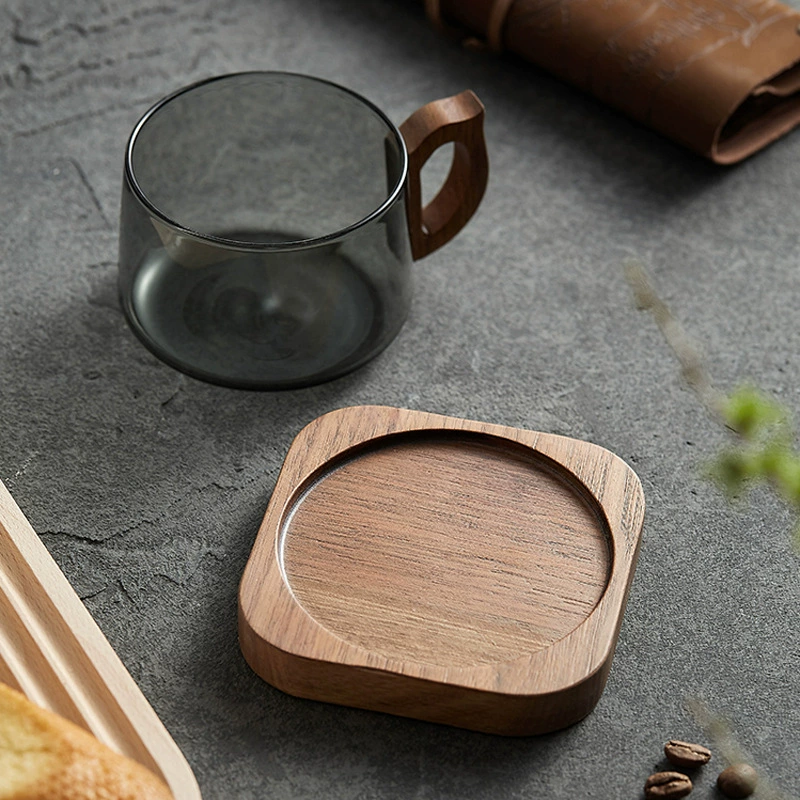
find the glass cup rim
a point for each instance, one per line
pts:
(299, 244)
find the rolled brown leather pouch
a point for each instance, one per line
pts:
(718, 76)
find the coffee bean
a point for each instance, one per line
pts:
(667, 786)
(738, 780)
(686, 754)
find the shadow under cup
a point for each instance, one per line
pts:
(264, 240)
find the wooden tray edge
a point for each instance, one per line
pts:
(77, 654)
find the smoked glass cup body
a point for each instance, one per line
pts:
(265, 237)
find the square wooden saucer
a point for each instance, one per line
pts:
(437, 568)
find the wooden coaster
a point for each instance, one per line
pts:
(437, 568)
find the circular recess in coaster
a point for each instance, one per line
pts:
(446, 548)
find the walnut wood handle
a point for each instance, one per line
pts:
(459, 120)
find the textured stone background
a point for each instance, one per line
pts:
(147, 486)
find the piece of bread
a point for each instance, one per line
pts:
(45, 757)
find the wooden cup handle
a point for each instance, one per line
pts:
(459, 120)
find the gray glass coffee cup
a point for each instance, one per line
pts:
(269, 221)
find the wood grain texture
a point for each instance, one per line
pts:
(459, 120)
(449, 570)
(445, 551)
(53, 652)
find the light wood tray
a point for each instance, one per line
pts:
(449, 570)
(53, 652)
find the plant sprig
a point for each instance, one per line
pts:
(764, 451)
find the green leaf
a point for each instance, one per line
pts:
(782, 468)
(732, 470)
(750, 413)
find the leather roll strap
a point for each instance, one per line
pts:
(494, 27)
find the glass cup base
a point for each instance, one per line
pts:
(242, 323)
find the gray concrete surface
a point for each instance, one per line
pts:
(148, 486)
